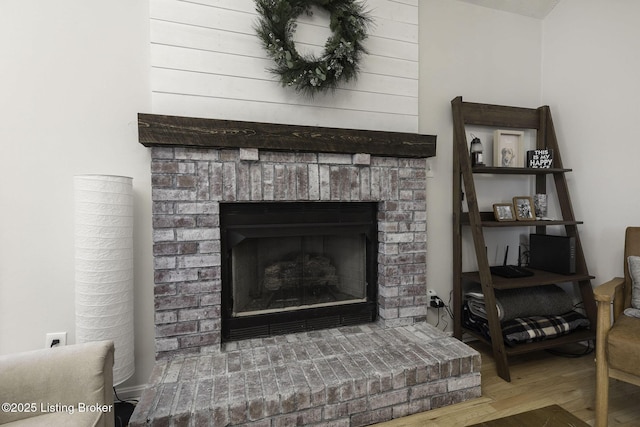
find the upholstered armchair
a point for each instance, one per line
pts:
(64, 386)
(618, 336)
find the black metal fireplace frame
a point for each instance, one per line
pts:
(238, 222)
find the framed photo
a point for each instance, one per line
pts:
(503, 212)
(508, 148)
(524, 208)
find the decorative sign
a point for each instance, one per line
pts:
(542, 159)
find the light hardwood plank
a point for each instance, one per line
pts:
(537, 380)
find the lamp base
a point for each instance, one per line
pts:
(122, 412)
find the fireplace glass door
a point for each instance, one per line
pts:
(275, 274)
(297, 266)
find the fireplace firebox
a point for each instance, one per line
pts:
(297, 266)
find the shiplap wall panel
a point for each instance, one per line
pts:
(165, 33)
(381, 43)
(205, 39)
(243, 66)
(240, 6)
(289, 113)
(203, 84)
(408, 2)
(207, 62)
(397, 11)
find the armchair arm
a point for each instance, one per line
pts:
(608, 292)
(604, 295)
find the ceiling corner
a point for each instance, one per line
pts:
(532, 8)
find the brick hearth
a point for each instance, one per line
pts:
(351, 376)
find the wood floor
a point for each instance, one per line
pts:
(537, 380)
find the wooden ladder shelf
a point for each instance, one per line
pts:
(464, 190)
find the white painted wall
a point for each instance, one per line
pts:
(591, 67)
(73, 76)
(582, 61)
(484, 56)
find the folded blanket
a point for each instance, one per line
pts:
(524, 302)
(478, 308)
(529, 329)
(475, 323)
(537, 328)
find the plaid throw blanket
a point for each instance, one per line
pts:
(536, 328)
(529, 329)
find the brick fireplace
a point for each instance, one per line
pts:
(195, 170)
(190, 183)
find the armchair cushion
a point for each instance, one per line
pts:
(633, 312)
(77, 419)
(70, 386)
(623, 345)
(634, 272)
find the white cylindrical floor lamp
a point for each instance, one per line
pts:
(104, 266)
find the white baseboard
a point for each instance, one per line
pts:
(130, 393)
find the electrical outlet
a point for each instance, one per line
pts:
(434, 300)
(55, 339)
(430, 171)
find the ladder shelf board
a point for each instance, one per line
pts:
(488, 220)
(498, 115)
(496, 170)
(539, 278)
(572, 337)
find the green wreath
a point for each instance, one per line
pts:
(309, 74)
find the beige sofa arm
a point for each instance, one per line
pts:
(46, 380)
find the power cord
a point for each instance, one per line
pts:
(123, 410)
(447, 308)
(590, 348)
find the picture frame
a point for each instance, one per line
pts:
(524, 208)
(503, 212)
(508, 148)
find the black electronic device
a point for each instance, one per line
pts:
(556, 254)
(122, 413)
(510, 271)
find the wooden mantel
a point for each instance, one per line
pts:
(173, 131)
